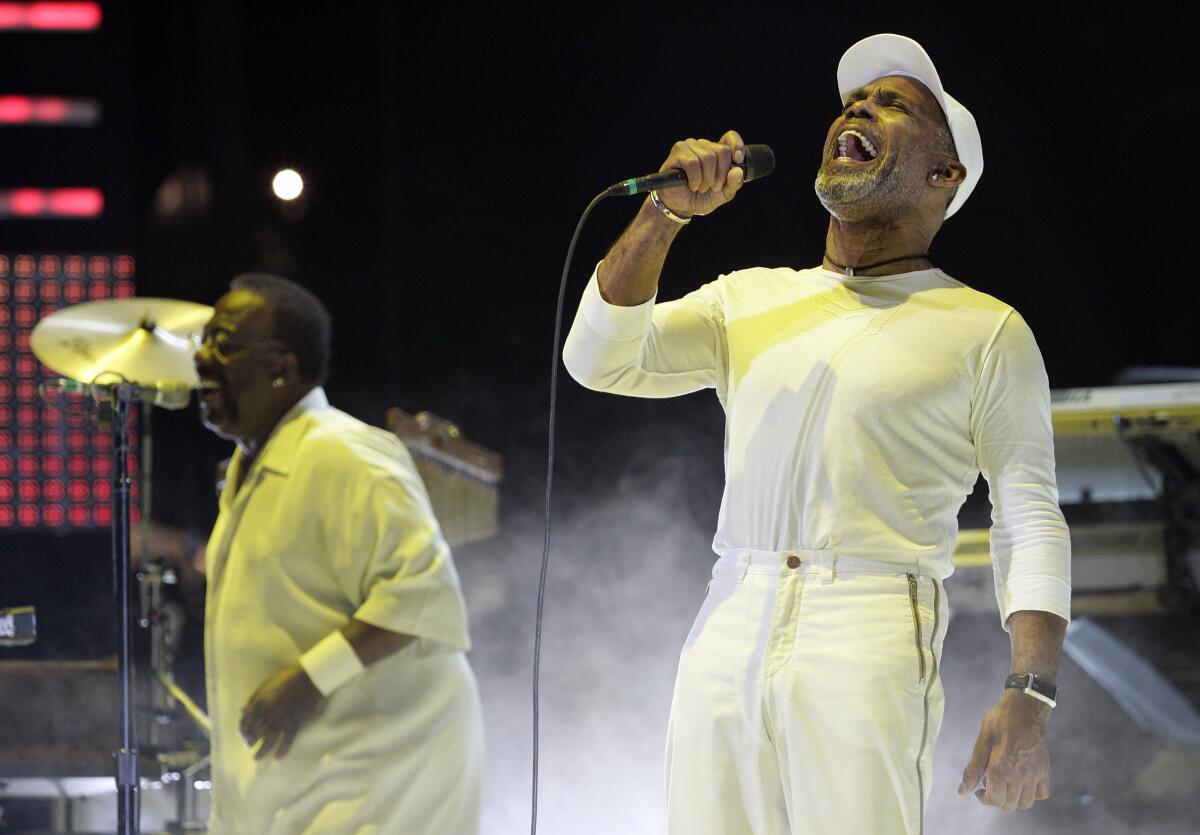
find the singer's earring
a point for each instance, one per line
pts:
(277, 383)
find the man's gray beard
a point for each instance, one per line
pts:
(855, 196)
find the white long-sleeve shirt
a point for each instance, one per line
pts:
(859, 413)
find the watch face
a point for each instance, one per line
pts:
(1039, 686)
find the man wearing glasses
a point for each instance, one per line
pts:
(335, 627)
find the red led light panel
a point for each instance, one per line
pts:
(55, 469)
(51, 203)
(48, 110)
(62, 17)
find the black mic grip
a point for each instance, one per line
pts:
(759, 161)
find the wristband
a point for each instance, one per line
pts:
(662, 207)
(331, 662)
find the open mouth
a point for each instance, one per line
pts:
(855, 147)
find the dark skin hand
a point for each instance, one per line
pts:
(279, 708)
(288, 700)
(1010, 756)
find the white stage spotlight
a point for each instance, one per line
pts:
(287, 184)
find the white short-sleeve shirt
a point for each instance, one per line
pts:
(331, 522)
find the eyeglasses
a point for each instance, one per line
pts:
(225, 347)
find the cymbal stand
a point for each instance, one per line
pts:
(146, 471)
(128, 780)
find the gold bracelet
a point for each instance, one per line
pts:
(662, 207)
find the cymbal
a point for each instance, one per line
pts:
(144, 340)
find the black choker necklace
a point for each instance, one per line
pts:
(861, 267)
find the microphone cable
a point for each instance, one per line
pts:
(759, 161)
(541, 597)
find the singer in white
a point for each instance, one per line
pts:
(862, 398)
(335, 627)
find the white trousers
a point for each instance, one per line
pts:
(807, 699)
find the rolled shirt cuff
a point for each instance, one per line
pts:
(1040, 593)
(619, 324)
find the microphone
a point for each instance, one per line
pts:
(759, 162)
(18, 627)
(169, 394)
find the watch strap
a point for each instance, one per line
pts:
(1031, 685)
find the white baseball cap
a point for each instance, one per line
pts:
(881, 55)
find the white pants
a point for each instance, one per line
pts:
(808, 699)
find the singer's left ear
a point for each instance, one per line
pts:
(949, 173)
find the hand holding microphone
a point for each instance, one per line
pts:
(699, 175)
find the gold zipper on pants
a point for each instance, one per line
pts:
(912, 599)
(937, 604)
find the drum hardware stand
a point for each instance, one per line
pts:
(182, 768)
(128, 780)
(186, 798)
(179, 767)
(165, 622)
